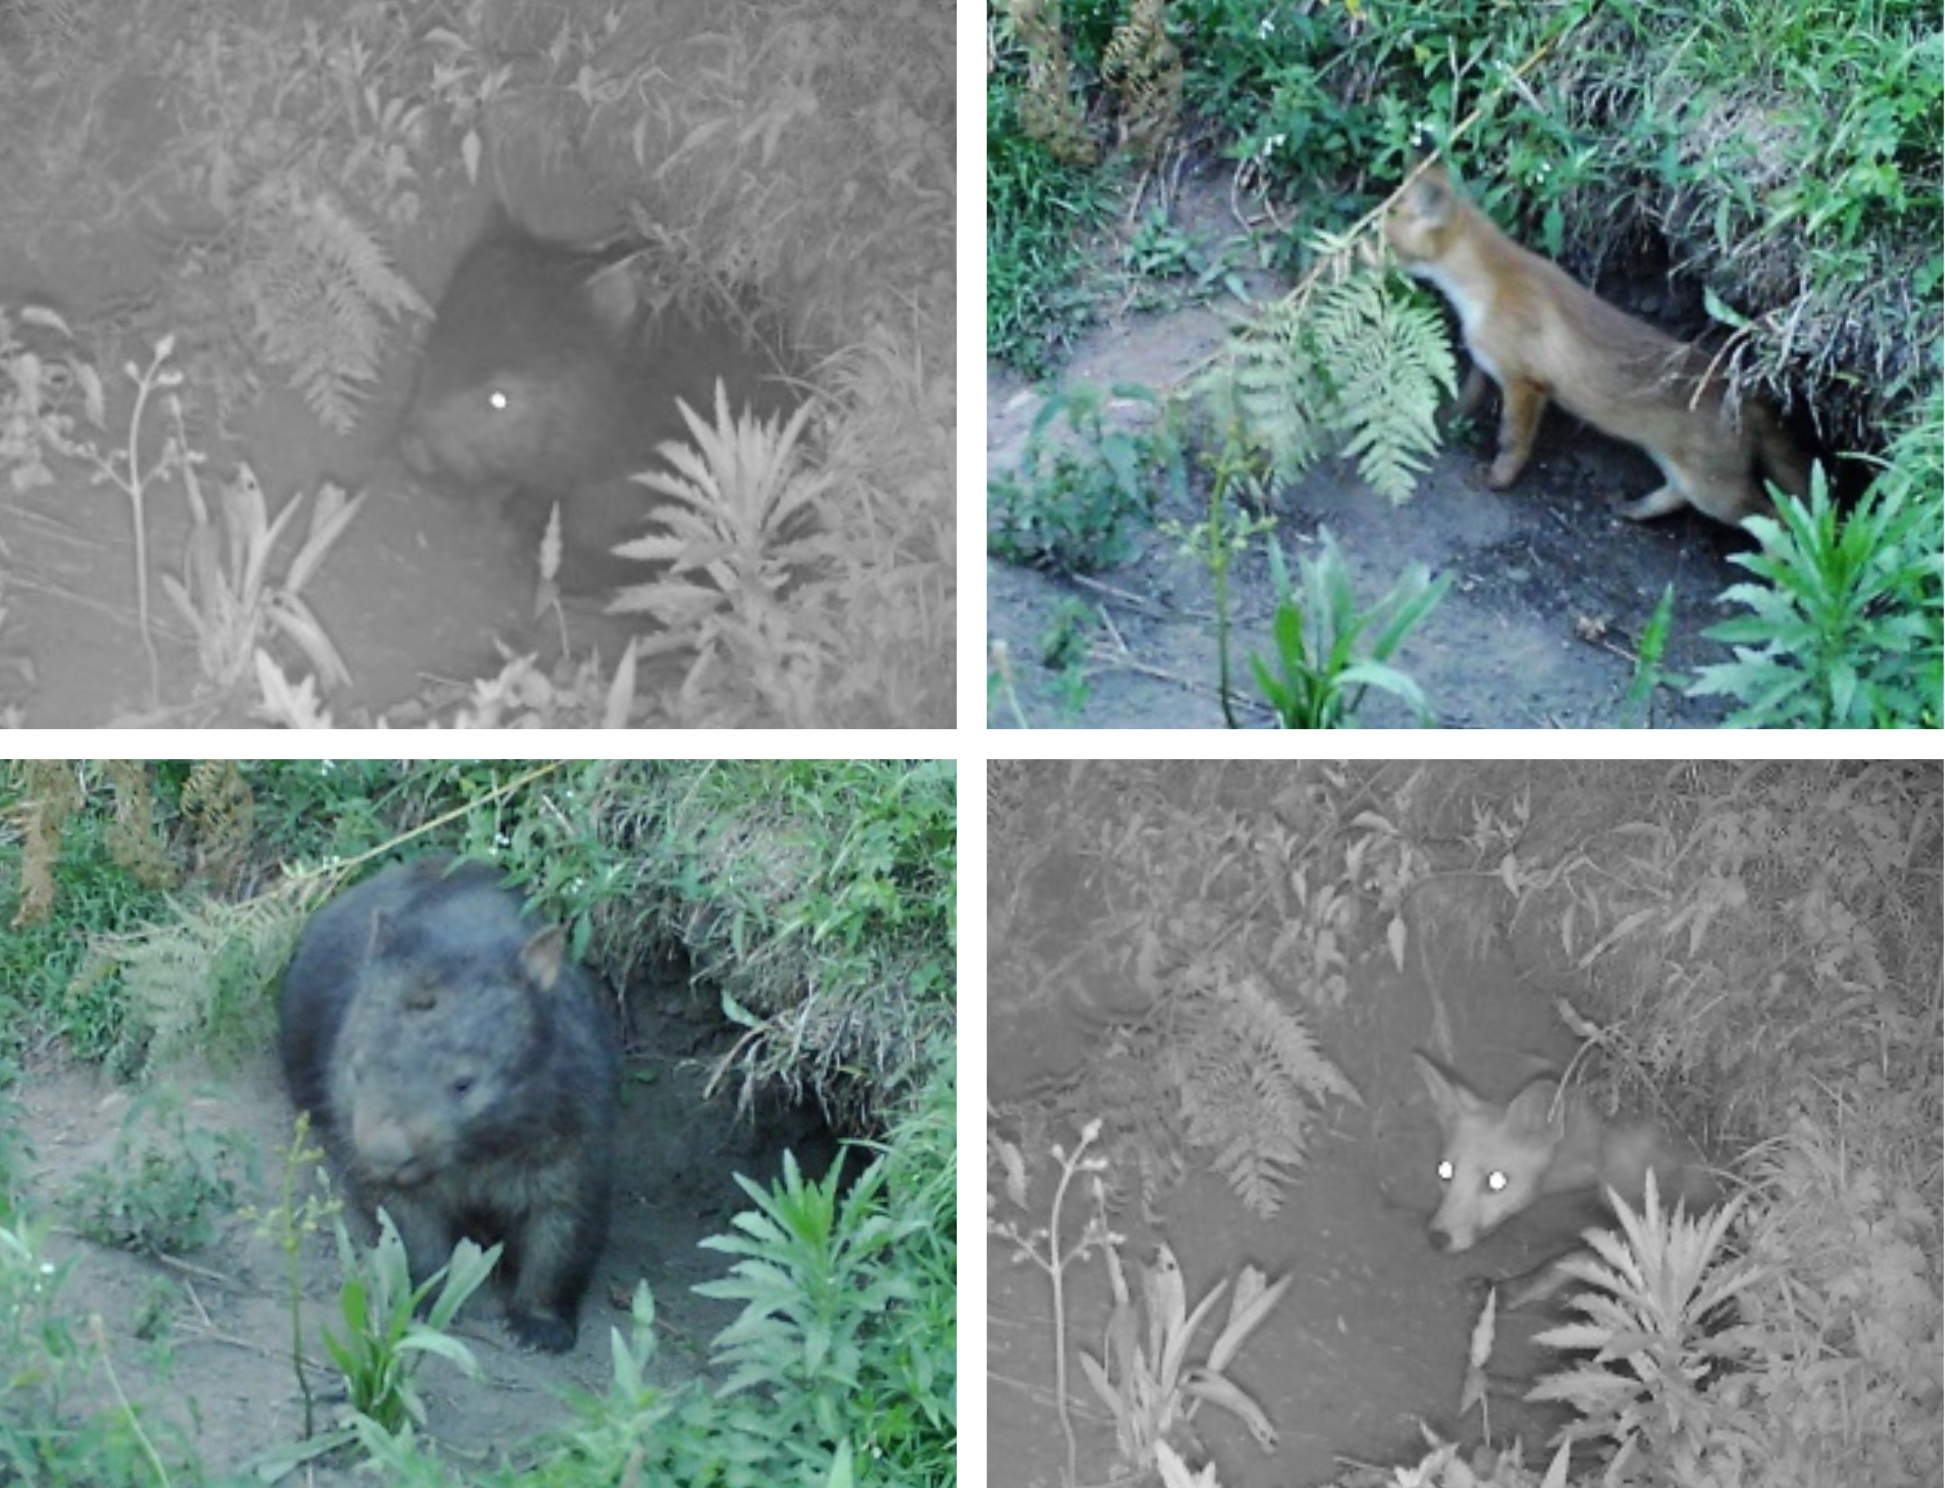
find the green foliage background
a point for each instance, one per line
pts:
(150, 906)
(1786, 157)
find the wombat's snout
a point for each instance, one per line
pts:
(390, 1151)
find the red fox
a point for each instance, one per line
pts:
(1499, 1159)
(1542, 337)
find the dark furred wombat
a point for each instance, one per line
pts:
(462, 1070)
(551, 374)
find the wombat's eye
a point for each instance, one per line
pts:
(463, 1084)
(497, 401)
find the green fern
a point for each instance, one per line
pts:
(1391, 359)
(197, 983)
(1268, 385)
(1352, 370)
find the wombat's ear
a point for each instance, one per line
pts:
(381, 934)
(542, 955)
(615, 297)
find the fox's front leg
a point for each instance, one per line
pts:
(1522, 1290)
(1522, 403)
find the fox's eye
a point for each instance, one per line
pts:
(1495, 1180)
(1444, 1171)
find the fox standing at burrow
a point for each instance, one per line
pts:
(1499, 1160)
(1540, 336)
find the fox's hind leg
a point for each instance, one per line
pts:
(1655, 504)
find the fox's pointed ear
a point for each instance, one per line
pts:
(1432, 1075)
(1536, 1111)
(1433, 194)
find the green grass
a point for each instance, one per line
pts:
(1085, 483)
(1038, 212)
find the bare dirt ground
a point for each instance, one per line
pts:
(1551, 588)
(202, 1343)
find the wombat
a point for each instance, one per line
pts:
(551, 376)
(462, 1070)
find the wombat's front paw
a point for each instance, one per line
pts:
(543, 1331)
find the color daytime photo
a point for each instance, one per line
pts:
(1562, 365)
(1507, 1125)
(478, 1124)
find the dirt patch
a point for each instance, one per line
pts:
(1551, 588)
(212, 1361)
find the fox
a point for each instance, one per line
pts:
(1499, 1160)
(1539, 335)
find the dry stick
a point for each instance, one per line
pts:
(1120, 656)
(1131, 599)
(99, 1332)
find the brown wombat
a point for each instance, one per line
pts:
(462, 1070)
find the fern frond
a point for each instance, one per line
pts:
(1353, 368)
(1144, 67)
(1048, 110)
(1280, 1036)
(1250, 1078)
(185, 981)
(1271, 384)
(48, 793)
(321, 292)
(1391, 360)
(217, 801)
(133, 840)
